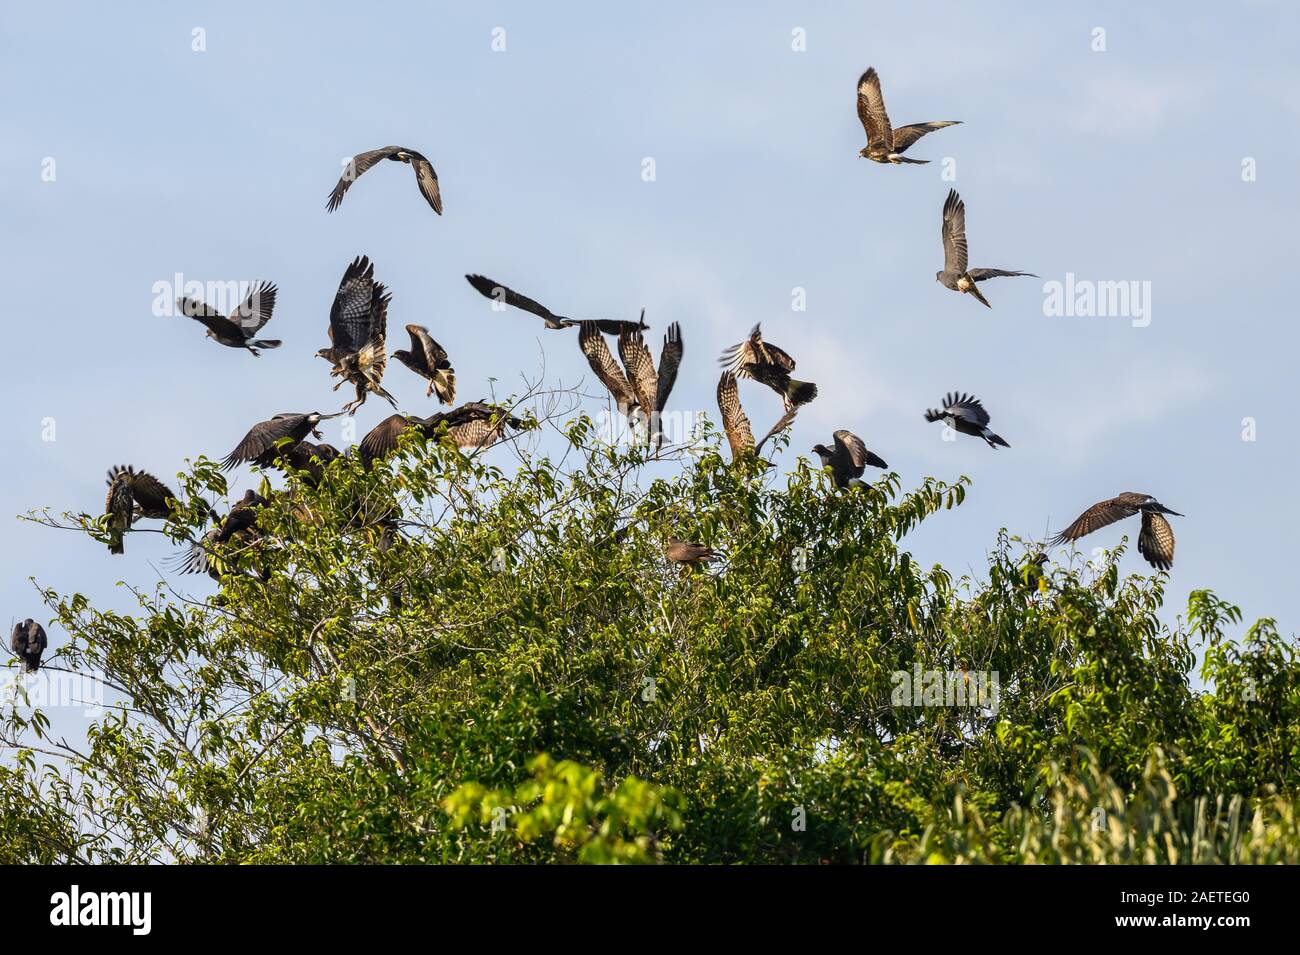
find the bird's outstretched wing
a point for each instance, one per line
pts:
(1156, 542)
(905, 136)
(151, 494)
(852, 450)
(603, 364)
(640, 365)
(422, 344)
(966, 408)
(979, 275)
(381, 440)
(255, 310)
(208, 316)
(1096, 517)
(734, 422)
(359, 164)
(782, 423)
(503, 293)
(755, 351)
(427, 180)
(954, 234)
(352, 315)
(871, 110)
(670, 359)
(262, 438)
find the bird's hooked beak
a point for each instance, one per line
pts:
(1165, 510)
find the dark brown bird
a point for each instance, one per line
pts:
(425, 177)
(964, 413)
(28, 642)
(683, 552)
(670, 359)
(955, 275)
(884, 143)
(244, 322)
(1156, 541)
(602, 362)
(508, 296)
(848, 459)
(472, 426)
(240, 525)
(429, 360)
(262, 445)
(132, 495)
(735, 423)
(306, 457)
(769, 365)
(358, 330)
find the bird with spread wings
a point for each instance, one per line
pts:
(769, 365)
(237, 330)
(425, 177)
(358, 329)
(884, 143)
(966, 414)
(429, 360)
(1156, 540)
(502, 295)
(267, 441)
(735, 423)
(955, 274)
(132, 495)
(473, 426)
(638, 384)
(847, 459)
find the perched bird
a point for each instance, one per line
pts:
(884, 143)
(508, 296)
(133, 494)
(239, 525)
(244, 322)
(28, 642)
(735, 423)
(683, 552)
(472, 426)
(425, 177)
(765, 363)
(358, 328)
(306, 457)
(848, 459)
(1155, 543)
(262, 445)
(964, 413)
(428, 359)
(955, 275)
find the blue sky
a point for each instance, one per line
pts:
(1117, 165)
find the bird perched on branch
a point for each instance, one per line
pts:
(472, 426)
(267, 441)
(884, 143)
(955, 274)
(735, 423)
(28, 642)
(684, 552)
(240, 525)
(769, 365)
(358, 329)
(507, 296)
(847, 459)
(429, 360)
(964, 413)
(1155, 542)
(244, 322)
(132, 495)
(425, 177)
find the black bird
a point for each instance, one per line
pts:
(964, 413)
(262, 446)
(848, 459)
(28, 642)
(131, 495)
(884, 143)
(954, 274)
(1155, 543)
(244, 322)
(239, 525)
(508, 296)
(429, 360)
(425, 177)
(358, 330)
(765, 363)
(472, 426)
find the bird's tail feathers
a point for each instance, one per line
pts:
(994, 439)
(800, 392)
(974, 290)
(909, 161)
(266, 343)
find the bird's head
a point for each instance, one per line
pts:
(822, 452)
(862, 153)
(938, 276)
(324, 353)
(402, 355)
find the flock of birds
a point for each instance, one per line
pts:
(640, 387)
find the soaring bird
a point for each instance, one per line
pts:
(964, 413)
(884, 143)
(765, 363)
(472, 426)
(428, 359)
(425, 177)
(1155, 543)
(239, 525)
(28, 642)
(244, 322)
(508, 296)
(684, 552)
(955, 275)
(735, 423)
(848, 459)
(133, 494)
(266, 441)
(358, 326)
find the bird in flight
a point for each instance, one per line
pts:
(955, 275)
(28, 642)
(132, 495)
(358, 329)
(735, 423)
(472, 426)
(1155, 542)
(244, 322)
(848, 459)
(638, 384)
(507, 296)
(765, 363)
(964, 413)
(884, 143)
(428, 359)
(670, 359)
(267, 441)
(425, 177)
